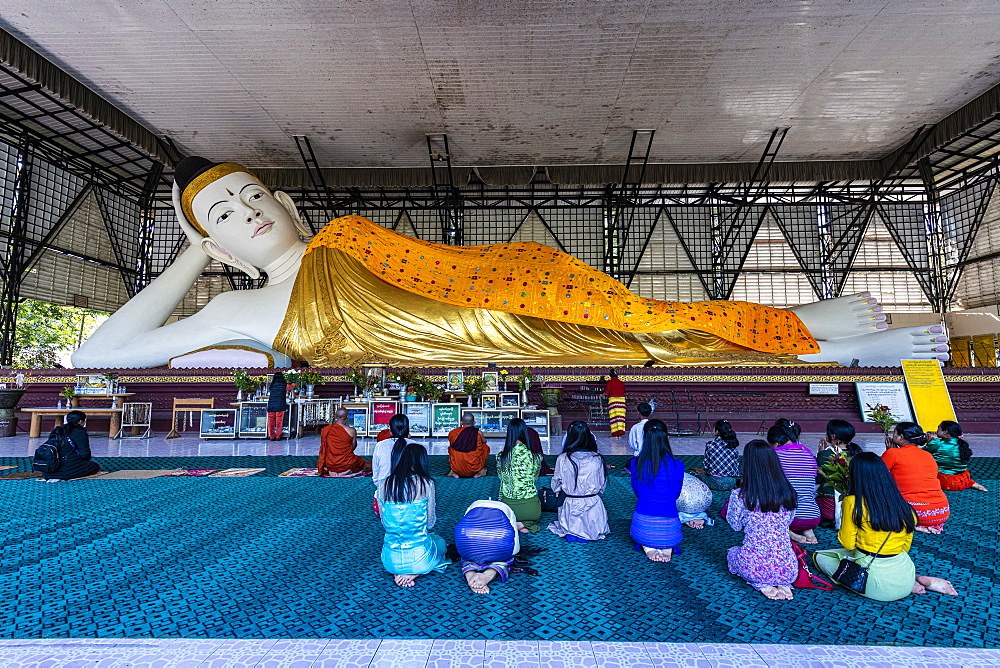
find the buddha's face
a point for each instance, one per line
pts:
(245, 219)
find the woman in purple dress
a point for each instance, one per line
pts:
(762, 507)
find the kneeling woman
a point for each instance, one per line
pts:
(656, 480)
(406, 503)
(763, 507)
(952, 455)
(487, 539)
(876, 531)
(580, 474)
(915, 472)
(518, 468)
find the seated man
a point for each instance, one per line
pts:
(336, 449)
(467, 450)
(487, 540)
(635, 433)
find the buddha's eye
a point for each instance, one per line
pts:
(223, 218)
(255, 196)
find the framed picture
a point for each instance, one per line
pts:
(419, 413)
(456, 381)
(489, 401)
(509, 400)
(492, 379)
(444, 418)
(382, 412)
(357, 417)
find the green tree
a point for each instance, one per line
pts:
(47, 333)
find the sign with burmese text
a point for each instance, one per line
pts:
(892, 395)
(928, 392)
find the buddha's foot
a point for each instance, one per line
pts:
(845, 316)
(885, 348)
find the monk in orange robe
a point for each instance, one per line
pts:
(467, 450)
(336, 449)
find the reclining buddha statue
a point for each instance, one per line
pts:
(358, 292)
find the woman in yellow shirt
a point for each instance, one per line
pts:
(876, 530)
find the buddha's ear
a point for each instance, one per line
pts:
(293, 211)
(217, 252)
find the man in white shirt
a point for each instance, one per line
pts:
(635, 433)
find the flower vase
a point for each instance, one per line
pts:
(310, 391)
(239, 395)
(524, 397)
(837, 515)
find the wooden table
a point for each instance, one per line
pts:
(38, 413)
(119, 398)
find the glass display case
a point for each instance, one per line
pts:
(358, 416)
(381, 413)
(252, 419)
(444, 418)
(217, 423)
(419, 413)
(537, 420)
(493, 422)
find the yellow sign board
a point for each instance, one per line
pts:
(928, 392)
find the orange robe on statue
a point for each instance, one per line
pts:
(366, 293)
(467, 464)
(336, 452)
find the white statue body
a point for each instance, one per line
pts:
(250, 228)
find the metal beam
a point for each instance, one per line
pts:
(316, 176)
(449, 198)
(620, 211)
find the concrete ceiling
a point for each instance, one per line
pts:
(550, 82)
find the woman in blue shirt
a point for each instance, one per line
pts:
(657, 479)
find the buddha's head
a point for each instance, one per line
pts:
(240, 221)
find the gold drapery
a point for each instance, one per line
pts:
(341, 314)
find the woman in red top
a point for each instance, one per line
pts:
(915, 472)
(614, 388)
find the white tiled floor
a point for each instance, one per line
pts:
(191, 446)
(170, 653)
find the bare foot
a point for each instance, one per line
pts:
(979, 487)
(802, 540)
(855, 314)
(696, 524)
(933, 530)
(662, 556)
(810, 537)
(940, 585)
(772, 593)
(404, 580)
(918, 588)
(522, 529)
(476, 582)
(480, 473)
(452, 474)
(786, 593)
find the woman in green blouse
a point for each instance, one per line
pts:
(518, 470)
(952, 455)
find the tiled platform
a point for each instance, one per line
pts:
(192, 446)
(114, 653)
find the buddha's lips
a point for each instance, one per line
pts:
(263, 228)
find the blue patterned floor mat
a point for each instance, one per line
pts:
(299, 558)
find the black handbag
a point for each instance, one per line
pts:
(854, 576)
(551, 501)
